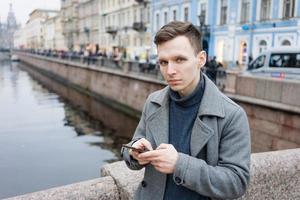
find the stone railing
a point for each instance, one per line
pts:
(265, 91)
(274, 175)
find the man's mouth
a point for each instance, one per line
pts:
(173, 81)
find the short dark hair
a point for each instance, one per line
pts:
(178, 28)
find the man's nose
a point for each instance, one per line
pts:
(171, 70)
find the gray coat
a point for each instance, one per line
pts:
(219, 164)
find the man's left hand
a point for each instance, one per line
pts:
(163, 158)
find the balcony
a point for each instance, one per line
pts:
(139, 26)
(111, 30)
(141, 1)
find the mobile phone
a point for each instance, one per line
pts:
(135, 149)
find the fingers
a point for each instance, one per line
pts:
(143, 143)
(146, 144)
(163, 146)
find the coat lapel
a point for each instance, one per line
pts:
(200, 136)
(211, 105)
(159, 125)
(159, 120)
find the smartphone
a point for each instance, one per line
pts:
(135, 149)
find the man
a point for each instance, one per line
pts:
(199, 139)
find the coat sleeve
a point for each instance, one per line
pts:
(230, 177)
(138, 134)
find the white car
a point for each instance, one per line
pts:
(278, 63)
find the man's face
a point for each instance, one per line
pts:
(179, 65)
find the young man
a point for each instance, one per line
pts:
(199, 140)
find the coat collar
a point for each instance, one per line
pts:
(211, 104)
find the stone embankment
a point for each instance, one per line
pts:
(274, 175)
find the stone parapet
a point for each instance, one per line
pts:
(102, 188)
(265, 91)
(274, 175)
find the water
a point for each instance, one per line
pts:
(45, 140)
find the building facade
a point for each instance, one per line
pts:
(125, 25)
(54, 38)
(20, 38)
(35, 29)
(234, 30)
(243, 29)
(88, 19)
(194, 11)
(69, 16)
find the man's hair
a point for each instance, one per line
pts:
(177, 28)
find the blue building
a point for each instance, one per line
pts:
(235, 29)
(164, 11)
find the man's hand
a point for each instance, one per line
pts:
(140, 144)
(163, 158)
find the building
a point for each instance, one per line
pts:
(89, 21)
(125, 26)
(194, 11)
(53, 36)
(20, 38)
(235, 30)
(35, 29)
(243, 29)
(7, 30)
(69, 16)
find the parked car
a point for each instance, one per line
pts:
(279, 63)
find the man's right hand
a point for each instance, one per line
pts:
(140, 144)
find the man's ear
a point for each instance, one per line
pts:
(201, 58)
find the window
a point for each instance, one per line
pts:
(290, 60)
(245, 11)
(262, 46)
(286, 43)
(165, 17)
(157, 21)
(288, 8)
(174, 15)
(148, 14)
(186, 14)
(265, 9)
(223, 13)
(258, 63)
(135, 15)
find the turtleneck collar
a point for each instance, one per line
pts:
(191, 99)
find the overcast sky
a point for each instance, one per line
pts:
(22, 8)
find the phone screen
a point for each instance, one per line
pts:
(135, 149)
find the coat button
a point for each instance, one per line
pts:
(178, 180)
(144, 184)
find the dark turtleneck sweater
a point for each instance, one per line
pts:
(182, 115)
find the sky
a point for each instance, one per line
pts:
(22, 8)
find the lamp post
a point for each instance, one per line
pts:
(202, 24)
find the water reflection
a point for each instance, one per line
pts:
(112, 123)
(49, 139)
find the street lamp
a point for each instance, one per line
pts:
(204, 30)
(202, 24)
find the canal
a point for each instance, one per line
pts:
(51, 135)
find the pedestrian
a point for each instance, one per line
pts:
(211, 71)
(197, 139)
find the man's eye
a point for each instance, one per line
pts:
(179, 60)
(163, 63)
